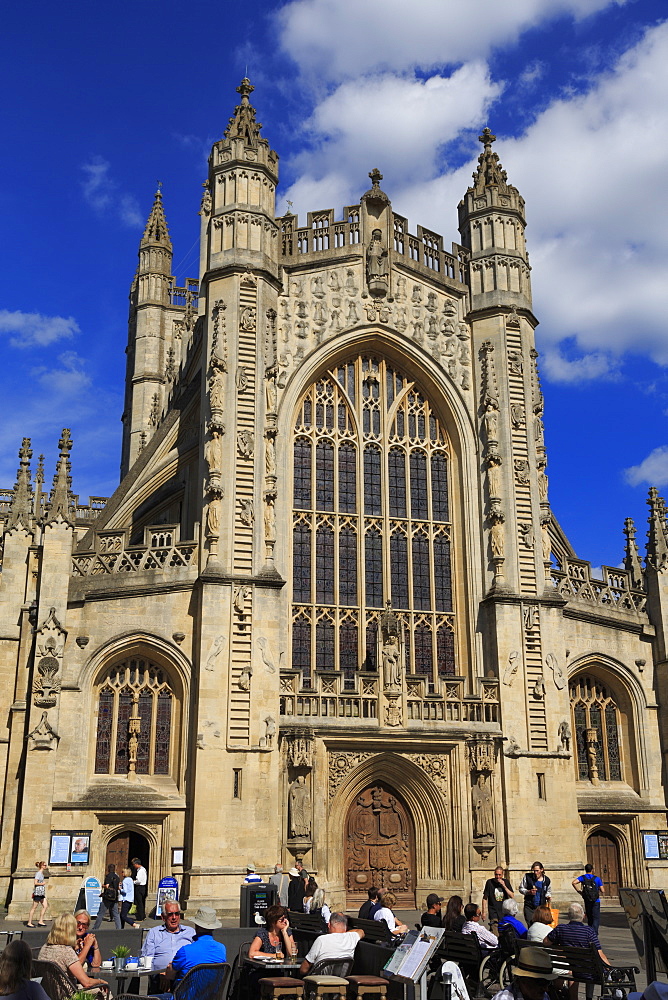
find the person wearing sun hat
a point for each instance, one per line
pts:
(532, 973)
(251, 875)
(203, 948)
(296, 890)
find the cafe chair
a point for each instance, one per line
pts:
(55, 982)
(366, 988)
(327, 979)
(281, 988)
(203, 982)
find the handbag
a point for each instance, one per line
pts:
(109, 894)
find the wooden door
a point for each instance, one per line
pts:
(380, 847)
(603, 854)
(118, 853)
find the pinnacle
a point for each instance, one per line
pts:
(489, 172)
(156, 230)
(242, 124)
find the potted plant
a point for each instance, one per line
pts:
(82, 995)
(120, 953)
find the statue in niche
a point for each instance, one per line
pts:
(538, 429)
(546, 543)
(350, 285)
(299, 802)
(205, 206)
(391, 649)
(269, 730)
(213, 452)
(270, 456)
(217, 391)
(481, 802)
(376, 263)
(241, 379)
(542, 481)
(247, 319)
(564, 734)
(245, 443)
(494, 463)
(333, 281)
(213, 512)
(401, 289)
(247, 512)
(318, 287)
(491, 420)
(269, 516)
(517, 415)
(270, 377)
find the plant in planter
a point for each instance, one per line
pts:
(120, 953)
(82, 995)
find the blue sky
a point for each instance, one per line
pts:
(102, 100)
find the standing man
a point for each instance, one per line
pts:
(296, 891)
(591, 889)
(141, 888)
(497, 890)
(432, 915)
(281, 880)
(251, 875)
(535, 887)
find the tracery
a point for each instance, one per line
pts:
(594, 708)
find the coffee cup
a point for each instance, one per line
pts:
(131, 966)
(107, 964)
(147, 962)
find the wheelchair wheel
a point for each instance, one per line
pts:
(488, 975)
(505, 975)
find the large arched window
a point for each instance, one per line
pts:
(370, 524)
(596, 724)
(135, 719)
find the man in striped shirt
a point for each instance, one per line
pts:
(576, 934)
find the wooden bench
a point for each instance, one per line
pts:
(374, 930)
(585, 965)
(306, 927)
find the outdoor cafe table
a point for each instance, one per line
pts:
(273, 968)
(121, 977)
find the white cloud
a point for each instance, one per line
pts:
(102, 193)
(68, 379)
(34, 329)
(334, 39)
(558, 368)
(652, 470)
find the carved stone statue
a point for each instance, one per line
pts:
(391, 663)
(213, 452)
(245, 678)
(564, 734)
(213, 518)
(270, 456)
(270, 389)
(494, 462)
(300, 808)
(376, 262)
(491, 421)
(481, 802)
(217, 392)
(248, 318)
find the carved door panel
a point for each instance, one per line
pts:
(603, 854)
(118, 852)
(380, 847)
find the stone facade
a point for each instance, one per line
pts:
(328, 614)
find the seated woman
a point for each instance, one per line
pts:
(319, 906)
(311, 886)
(59, 948)
(541, 924)
(15, 973)
(454, 919)
(386, 913)
(86, 945)
(275, 937)
(509, 919)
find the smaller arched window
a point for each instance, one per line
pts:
(596, 724)
(135, 720)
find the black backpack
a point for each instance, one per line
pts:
(590, 890)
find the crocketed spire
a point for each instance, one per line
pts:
(657, 547)
(156, 230)
(20, 510)
(489, 172)
(59, 501)
(632, 563)
(242, 124)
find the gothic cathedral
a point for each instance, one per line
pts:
(328, 613)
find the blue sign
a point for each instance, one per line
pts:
(168, 891)
(92, 891)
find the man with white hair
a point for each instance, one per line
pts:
(576, 934)
(510, 909)
(281, 880)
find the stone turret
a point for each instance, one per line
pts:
(492, 224)
(155, 257)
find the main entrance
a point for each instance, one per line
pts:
(125, 846)
(380, 847)
(603, 854)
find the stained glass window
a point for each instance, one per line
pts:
(595, 708)
(371, 524)
(135, 688)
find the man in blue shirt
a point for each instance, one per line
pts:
(591, 889)
(162, 943)
(203, 949)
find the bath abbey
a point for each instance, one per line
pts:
(328, 614)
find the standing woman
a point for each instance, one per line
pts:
(535, 887)
(127, 892)
(39, 894)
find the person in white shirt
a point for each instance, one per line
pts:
(473, 926)
(141, 887)
(339, 943)
(541, 925)
(386, 913)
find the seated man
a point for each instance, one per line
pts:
(366, 906)
(532, 974)
(576, 934)
(202, 949)
(510, 909)
(432, 916)
(473, 926)
(163, 942)
(338, 943)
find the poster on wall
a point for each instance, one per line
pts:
(92, 889)
(663, 846)
(80, 847)
(168, 891)
(651, 845)
(59, 853)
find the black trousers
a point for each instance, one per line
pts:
(140, 900)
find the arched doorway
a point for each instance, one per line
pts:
(380, 846)
(126, 845)
(603, 854)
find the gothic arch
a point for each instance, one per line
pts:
(135, 642)
(427, 803)
(631, 701)
(621, 835)
(153, 834)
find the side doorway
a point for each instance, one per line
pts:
(603, 854)
(123, 847)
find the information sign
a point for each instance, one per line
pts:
(168, 891)
(60, 848)
(80, 849)
(656, 845)
(92, 889)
